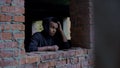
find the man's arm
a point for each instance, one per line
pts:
(62, 33)
(65, 44)
(34, 42)
(46, 48)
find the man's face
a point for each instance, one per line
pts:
(53, 28)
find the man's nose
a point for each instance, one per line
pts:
(54, 30)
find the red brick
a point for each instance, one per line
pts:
(6, 36)
(2, 1)
(74, 60)
(72, 52)
(32, 59)
(22, 52)
(8, 1)
(18, 27)
(67, 61)
(2, 27)
(85, 51)
(5, 27)
(91, 62)
(8, 45)
(52, 63)
(19, 18)
(44, 57)
(23, 60)
(22, 45)
(7, 9)
(79, 13)
(78, 65)
(18, 2)
(61, 62)
(73, 66)
(20, 10)
(5, 1)
(19, 52)
(6, 53)
(12, 9)
(51, 56)
(5, 18)
(14, 26)
(11, 44)
(8, 62)
(43, 65)
(2, 45)
(64, 54)
(78, 52)
(19, 36)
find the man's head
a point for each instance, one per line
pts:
(53, 28)
(50, 25)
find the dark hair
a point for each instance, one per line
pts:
(46, 22)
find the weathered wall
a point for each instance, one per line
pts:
(12, 52)
(81, 22)
(73, 58)
(11, 32)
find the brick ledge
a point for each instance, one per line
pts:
(47, 56)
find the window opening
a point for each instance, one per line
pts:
(35, 14)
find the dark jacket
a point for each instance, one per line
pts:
(41, 39)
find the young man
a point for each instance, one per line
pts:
(51, 38)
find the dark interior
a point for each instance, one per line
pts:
(38, 9)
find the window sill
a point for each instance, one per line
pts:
(57, 58)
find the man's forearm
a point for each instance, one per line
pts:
(46, 48)
(43, 48)
(63, 36)
(62, 33)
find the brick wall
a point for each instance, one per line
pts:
(11, 32)
(72, 58)
(81, 22)
(12, 52)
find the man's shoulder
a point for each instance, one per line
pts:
(37, 33)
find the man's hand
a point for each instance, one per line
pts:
(61, 32)
(59, 26)
(53, 48)
(50, 48)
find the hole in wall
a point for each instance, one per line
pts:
(36, 10)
